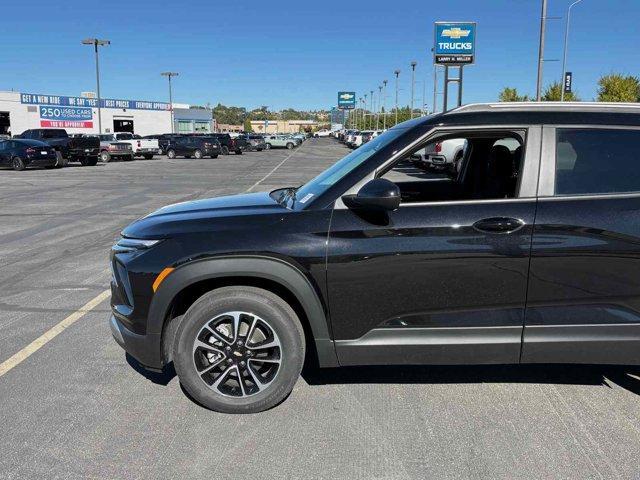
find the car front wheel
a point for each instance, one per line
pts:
(239, 350)
(105, 157)
(197, 154)
(171, 153)
(289, 146)
(18, 164)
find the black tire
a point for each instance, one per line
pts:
(105, 157)
(129, 158)
(276, 314)
(238, 152)
(84, 161)
(171, 153)
(289, 146)
(61, 161)
(259, 149)
(92, 161)
(214, 156)
(197, 154)
(148, 156)
(17, 164)
(268, 146)
(224, 150)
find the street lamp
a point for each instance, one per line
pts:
(384, 105)
(379, 106)
(413, 82)
(364, 117)
(169, 75)
(397, 74)
(566, 44)
(97, 43)
(372, 109)
(361, 113)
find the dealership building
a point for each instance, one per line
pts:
(24, 111)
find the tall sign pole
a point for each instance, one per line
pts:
(455, 46)
(397, 74)
(543, 21)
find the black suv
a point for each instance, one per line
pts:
(231, 144)
(527, 252)
(188, 147)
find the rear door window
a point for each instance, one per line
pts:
(597, 161)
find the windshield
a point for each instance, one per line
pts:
(333, 174)
(54, 133)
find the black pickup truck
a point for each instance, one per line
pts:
(230, 144)
(83, 149)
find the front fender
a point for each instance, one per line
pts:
(268, 268)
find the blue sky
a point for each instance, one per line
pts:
(300, 53)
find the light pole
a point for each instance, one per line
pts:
(373, 106)
(169, 75)
(379, 107)
(413, 83)
(397, 74)
(364, 112)
(361, 112)
(384, 105)
(97, 43)
(566, 45)
(543, 20)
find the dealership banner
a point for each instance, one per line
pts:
(455, 43)
(65, 117)
(39, 99)
(347, 100)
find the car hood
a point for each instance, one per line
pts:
(199, 215)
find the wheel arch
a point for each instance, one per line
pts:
(188, 282)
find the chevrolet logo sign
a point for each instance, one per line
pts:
(455, 33)
(346, 96)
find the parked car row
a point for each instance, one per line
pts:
(55, 148)
(356, 138)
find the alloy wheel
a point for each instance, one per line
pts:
(237, 354)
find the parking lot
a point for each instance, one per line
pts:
(77, 408)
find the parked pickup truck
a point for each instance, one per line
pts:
(111, 149)
(81, 149)
(142, 147)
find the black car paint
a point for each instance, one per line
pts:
(71, 148)
(187, 146)
(421, 284)
(30, 151)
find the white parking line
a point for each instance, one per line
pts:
(274, 169)
(52, 333)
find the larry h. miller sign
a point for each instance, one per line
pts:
(455, 43)
(347, 100)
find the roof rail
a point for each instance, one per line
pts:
(548, 106)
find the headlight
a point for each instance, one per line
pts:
(132, 244)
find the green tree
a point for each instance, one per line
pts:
(229, 115)
(247, 126)
(616, 87)
(509, 94)
(553, 93)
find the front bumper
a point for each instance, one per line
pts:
(144, 348)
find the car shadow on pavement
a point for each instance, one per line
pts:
(160, 378)
(597, 375)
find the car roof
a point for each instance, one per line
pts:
(534, 113)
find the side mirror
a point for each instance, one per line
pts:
(377, 194)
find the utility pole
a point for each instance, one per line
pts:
(397, 74)
(97, 43)
(543, 21)
(169, 75)
(566, 46)
(384, 105)
(413, 83)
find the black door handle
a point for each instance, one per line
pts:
(498, 225)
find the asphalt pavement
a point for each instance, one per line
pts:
(76, 408)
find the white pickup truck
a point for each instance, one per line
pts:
(142, 147)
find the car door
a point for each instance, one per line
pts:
(4, 146)
(584, 286)
(433, 282)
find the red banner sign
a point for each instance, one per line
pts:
(65, 124)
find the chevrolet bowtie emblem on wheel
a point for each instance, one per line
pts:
(455, 33)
